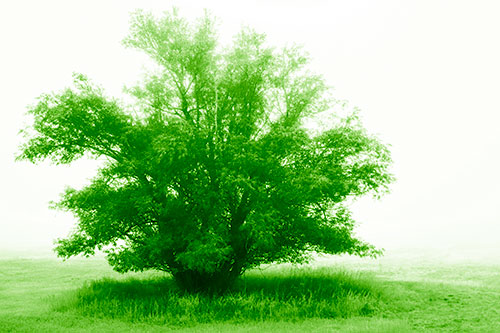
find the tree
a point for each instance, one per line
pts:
(213, 172)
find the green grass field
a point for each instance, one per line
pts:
(391, 294)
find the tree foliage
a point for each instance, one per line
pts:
(215, 172)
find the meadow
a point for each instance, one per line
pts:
(405, 292)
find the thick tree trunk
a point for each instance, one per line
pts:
(224, 278)
(204, 282)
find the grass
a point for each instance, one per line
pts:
(277, 296)
(340, 294)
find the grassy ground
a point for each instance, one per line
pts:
(392, 294)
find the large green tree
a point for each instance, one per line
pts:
(212, 172)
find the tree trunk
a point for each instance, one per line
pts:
(204, 282)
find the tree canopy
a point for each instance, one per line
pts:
(214, 171)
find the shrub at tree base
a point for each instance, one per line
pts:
(212, 172)
(259, 296)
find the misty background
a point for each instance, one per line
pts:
(425, 74)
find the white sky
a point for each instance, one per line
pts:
(424, 73)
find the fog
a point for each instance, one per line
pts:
(425, 75)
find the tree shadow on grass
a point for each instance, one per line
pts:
(281, 295)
